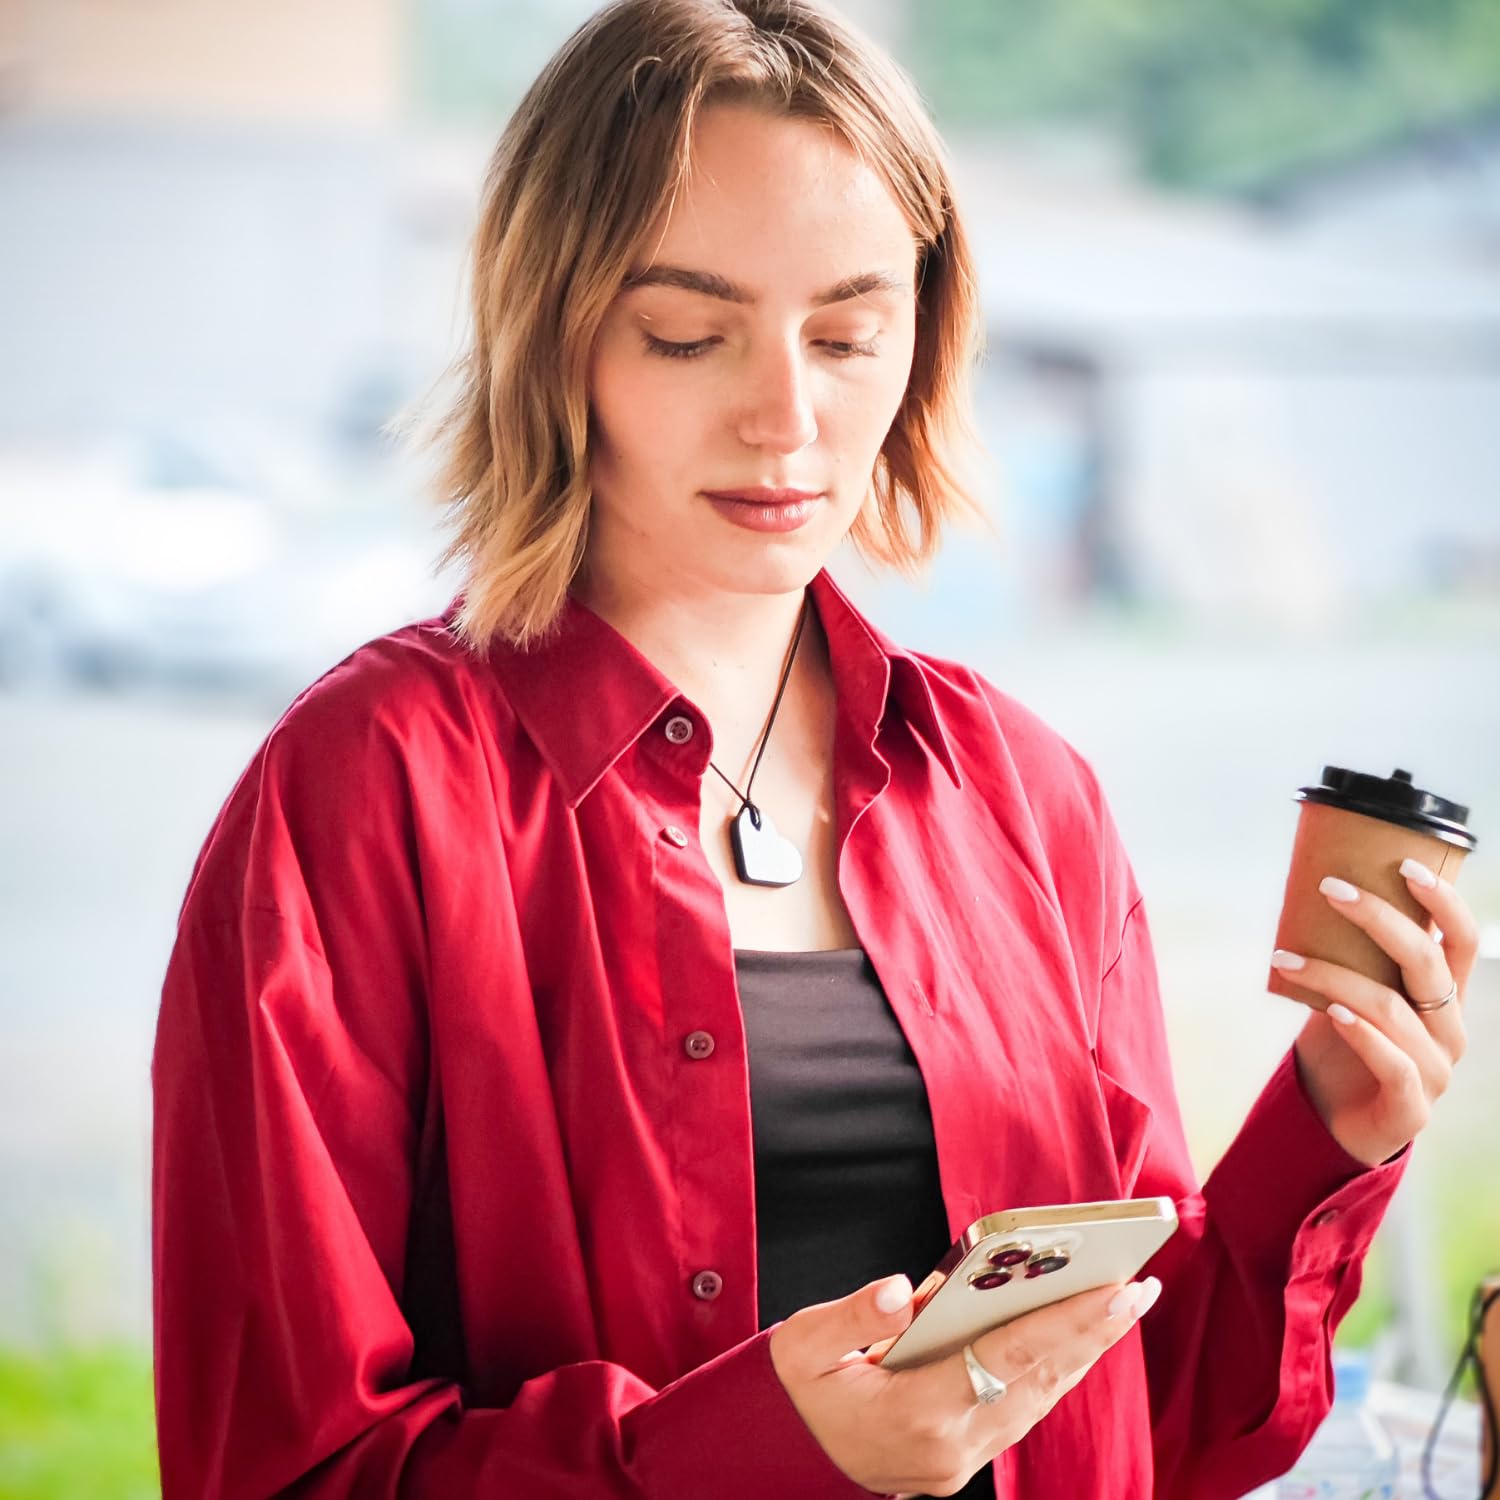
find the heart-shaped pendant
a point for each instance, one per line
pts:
(761, 855)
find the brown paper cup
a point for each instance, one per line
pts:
(1367, 852)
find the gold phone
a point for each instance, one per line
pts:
(1012, 1263)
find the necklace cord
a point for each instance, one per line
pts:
(765, 733)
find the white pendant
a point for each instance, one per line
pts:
(761, 855)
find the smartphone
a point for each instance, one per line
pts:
(1011, 1263)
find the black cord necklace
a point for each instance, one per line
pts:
(761, 855)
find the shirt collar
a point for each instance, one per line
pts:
(587, 661)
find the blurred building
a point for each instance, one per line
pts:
(205, 212)
(1257, 424)
(334, 64)
(1435, 190)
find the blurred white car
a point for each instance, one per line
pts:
(108, 580)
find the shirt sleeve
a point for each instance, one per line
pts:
(1265, 1263)
(289, 1089)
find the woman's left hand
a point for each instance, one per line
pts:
(1371, 1063)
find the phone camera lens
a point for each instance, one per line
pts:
(1010, 1255)
(1044, 1262)
(988, 1280)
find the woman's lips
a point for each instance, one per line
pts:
(765, 515)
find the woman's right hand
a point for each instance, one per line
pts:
(920, 1431)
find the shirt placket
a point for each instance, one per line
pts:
(708, 1130)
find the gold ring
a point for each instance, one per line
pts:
(1436, 1004)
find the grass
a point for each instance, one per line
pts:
(77, 1423)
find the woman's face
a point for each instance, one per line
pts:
(785, 380)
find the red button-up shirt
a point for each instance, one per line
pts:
(452, 1163)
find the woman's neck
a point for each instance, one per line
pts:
(725, 652)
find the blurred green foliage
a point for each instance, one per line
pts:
(1225, 95)
(77, 1423)
(1468, 1249)
(1217, 95)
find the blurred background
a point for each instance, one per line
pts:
(1241, 400)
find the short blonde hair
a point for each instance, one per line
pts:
(592, 156)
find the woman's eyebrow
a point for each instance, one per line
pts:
(710, 284)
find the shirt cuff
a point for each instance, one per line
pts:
(732, 1418)
(1287, 1194)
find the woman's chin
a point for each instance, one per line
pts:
(769, 566)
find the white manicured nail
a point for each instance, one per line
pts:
(1123, 1303)
(1338, 890)
(1281, 959)
(1340, 1012)
(1418, 873)
(1150, 1291)
(894, 1295)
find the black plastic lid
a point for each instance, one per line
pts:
(1394, 799)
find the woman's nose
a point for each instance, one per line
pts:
(778, 404)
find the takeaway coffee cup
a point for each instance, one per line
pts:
(1360, 828)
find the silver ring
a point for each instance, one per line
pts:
(1436, 1004)
(987, 1388)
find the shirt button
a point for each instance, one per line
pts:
(1325, 1218)
(674, 835)
(707, 1285)
(679, 729)
(698, 1045)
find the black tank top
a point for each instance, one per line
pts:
(846, 1173)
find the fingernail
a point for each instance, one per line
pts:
(1418, 873)
(1337, 890)
(893, 1295)
(1150, 1291)
(1123, 1303)
(1340, 1013)
(1281, 959)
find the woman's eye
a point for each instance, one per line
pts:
(677, 351)
(839, 348)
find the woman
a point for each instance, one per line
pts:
(592, 1008)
